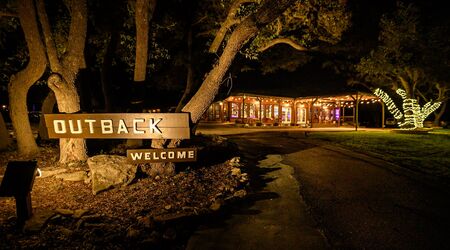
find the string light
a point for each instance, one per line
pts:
(389, 103)
(414, 116)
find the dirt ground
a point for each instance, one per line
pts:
(155, 212)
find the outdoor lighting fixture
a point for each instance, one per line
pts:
(39, 172)
(413, 115)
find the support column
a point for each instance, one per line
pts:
(260, 111)
(355, 110)
(243, 109)
(294, 113)
(340, 114)
(383, 118)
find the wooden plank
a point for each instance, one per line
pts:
(162, 155)
(119, 125)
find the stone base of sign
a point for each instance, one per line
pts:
(107, 171)
(159, 169)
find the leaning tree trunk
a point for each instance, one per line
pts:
(5, 141)
(21, 82)
(247, 29)
(226, 25)
(47, 108)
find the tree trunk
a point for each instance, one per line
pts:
(5, 141)
(438, 115)
(62, 81)
(21, 82)
(71, 149)
(105, 74)
(47, 108)
(227, 23)
(144, 10)
(247, 29)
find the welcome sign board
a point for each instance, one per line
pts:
(162, 155)
(119, 125)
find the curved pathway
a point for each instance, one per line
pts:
(356, 200)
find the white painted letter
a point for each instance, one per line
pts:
(135, 130)
(122, 127)
(106, 126)
(191, 154)
(136, 156)
(181, 154)
(91, 125)
(153, 125)
(72, 129)
(61, 128)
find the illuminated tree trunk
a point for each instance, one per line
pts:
(4, 135)
(144, 12)
(413, 115)
(227, 24)
(21, 82)
(247, 29)
(62, 81)
(71, 149)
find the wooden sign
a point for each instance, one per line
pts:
(162, 155)
(119, 126)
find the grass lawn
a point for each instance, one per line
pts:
(429, 153)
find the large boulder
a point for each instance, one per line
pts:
(109, 171)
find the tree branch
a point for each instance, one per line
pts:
(8, 14)
(52, 55)
(77, 37)
(229, 21)
(422, 95)
(246, 30)
(287, 41)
